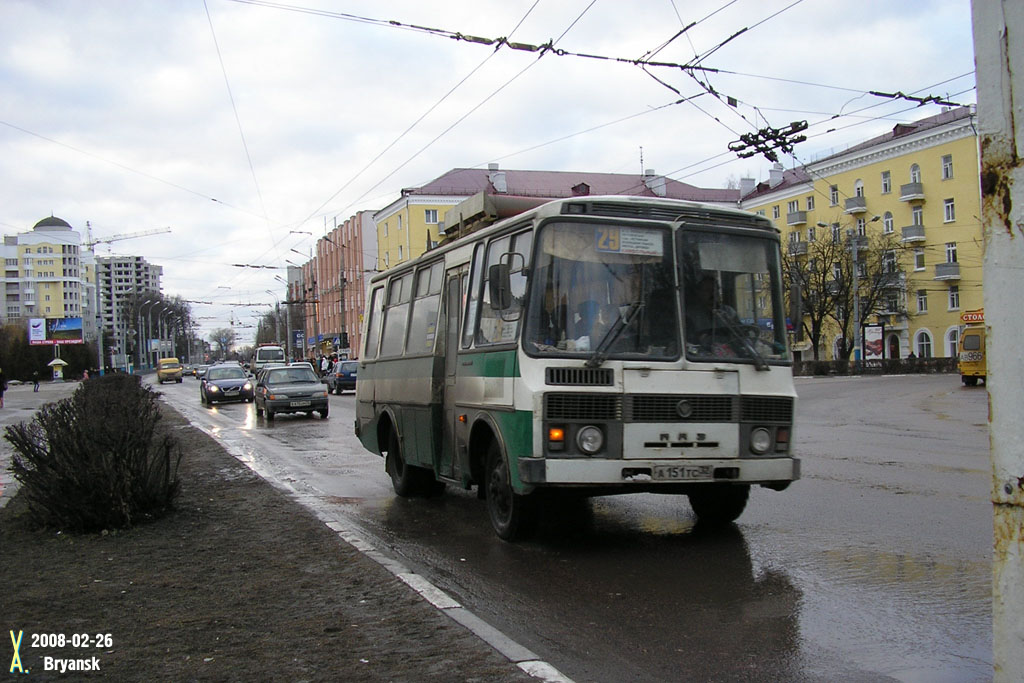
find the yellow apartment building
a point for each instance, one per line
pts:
(918, 184)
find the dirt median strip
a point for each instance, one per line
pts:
(239, 582)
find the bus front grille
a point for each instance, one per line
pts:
(681, 408)
(580, 377)
(767, 409)
(582, 407)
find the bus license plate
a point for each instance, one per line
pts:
(682, 472)
(299, 404)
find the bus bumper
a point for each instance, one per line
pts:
(644, 473)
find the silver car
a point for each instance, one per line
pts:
(290, 390)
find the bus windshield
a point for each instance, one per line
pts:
(732, 298)
(607, 287)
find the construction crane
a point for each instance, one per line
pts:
(90, 242)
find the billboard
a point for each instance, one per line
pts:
(50, 331)
(873, 345)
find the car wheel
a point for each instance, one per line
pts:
(178, 380)
(513, 516)
(719, 504)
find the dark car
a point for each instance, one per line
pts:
(225, 383)
(343, 376)
(290, 390)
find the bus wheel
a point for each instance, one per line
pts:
(718, 504)
(970, 381)
(405, 479)
(513, 516)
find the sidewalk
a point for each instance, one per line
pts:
(239, 583)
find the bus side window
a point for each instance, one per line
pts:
(396, 313)
(473, 296)
(502, 327)
(373, 324)
(423, 323)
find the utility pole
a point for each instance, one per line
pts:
(999, 60)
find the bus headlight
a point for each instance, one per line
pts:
(760, 440)
(590, 439)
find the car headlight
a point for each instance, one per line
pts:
(212, 388)
(276, 397)
(322, 394)
(590, 439)
(760, 440)
(247, 386)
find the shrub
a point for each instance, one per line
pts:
(93, 461)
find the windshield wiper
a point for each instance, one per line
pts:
(624, 320)
(737, 331)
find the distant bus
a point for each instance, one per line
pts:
(971, 349)
(266, 353)
(565, 351)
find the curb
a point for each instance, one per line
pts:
(522, 657)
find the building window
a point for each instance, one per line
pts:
(950, 252)
(810, 234)
(430, 216)
(924, 344)
(862, 227)
(858, 188)
(949, 210)
(775, 211)
(892, 302)
(399, 253)
(887, 223)
(886, 182)
(810, 203)
(919, 258)
(833, 194)
(384, 226)
(915, 174)
(760, 212)
(954, 297)
(399, 221)
(917, 213)
(947, 166)
(922, 301)
(953, 343)
(836, 236)
(889, 261)
(793, 206)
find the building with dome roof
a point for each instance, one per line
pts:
(47, 274)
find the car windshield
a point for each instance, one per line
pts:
(225, 373)
(291, 376)
(349, 367)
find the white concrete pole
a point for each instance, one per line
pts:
(999, 61)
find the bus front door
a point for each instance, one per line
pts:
(453, 308)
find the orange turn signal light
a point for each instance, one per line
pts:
(556, 434)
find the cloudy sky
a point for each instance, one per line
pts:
(242, 124)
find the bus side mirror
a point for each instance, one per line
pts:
(500, 286)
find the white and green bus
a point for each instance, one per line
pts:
(588, 346)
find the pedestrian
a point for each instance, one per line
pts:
(324, 365)
(85, 375)
(3, 386)
(35, 381)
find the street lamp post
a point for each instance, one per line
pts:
(287, 319)
(143, 332)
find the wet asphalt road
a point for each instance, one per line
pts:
(875, 566)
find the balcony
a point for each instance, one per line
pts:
(892, 280)
(797, 248)
(913, 233)
(947, 271)
(856, 205)
(911, 192)
(796, 218)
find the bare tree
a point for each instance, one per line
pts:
(224, 338)
(821, 273)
